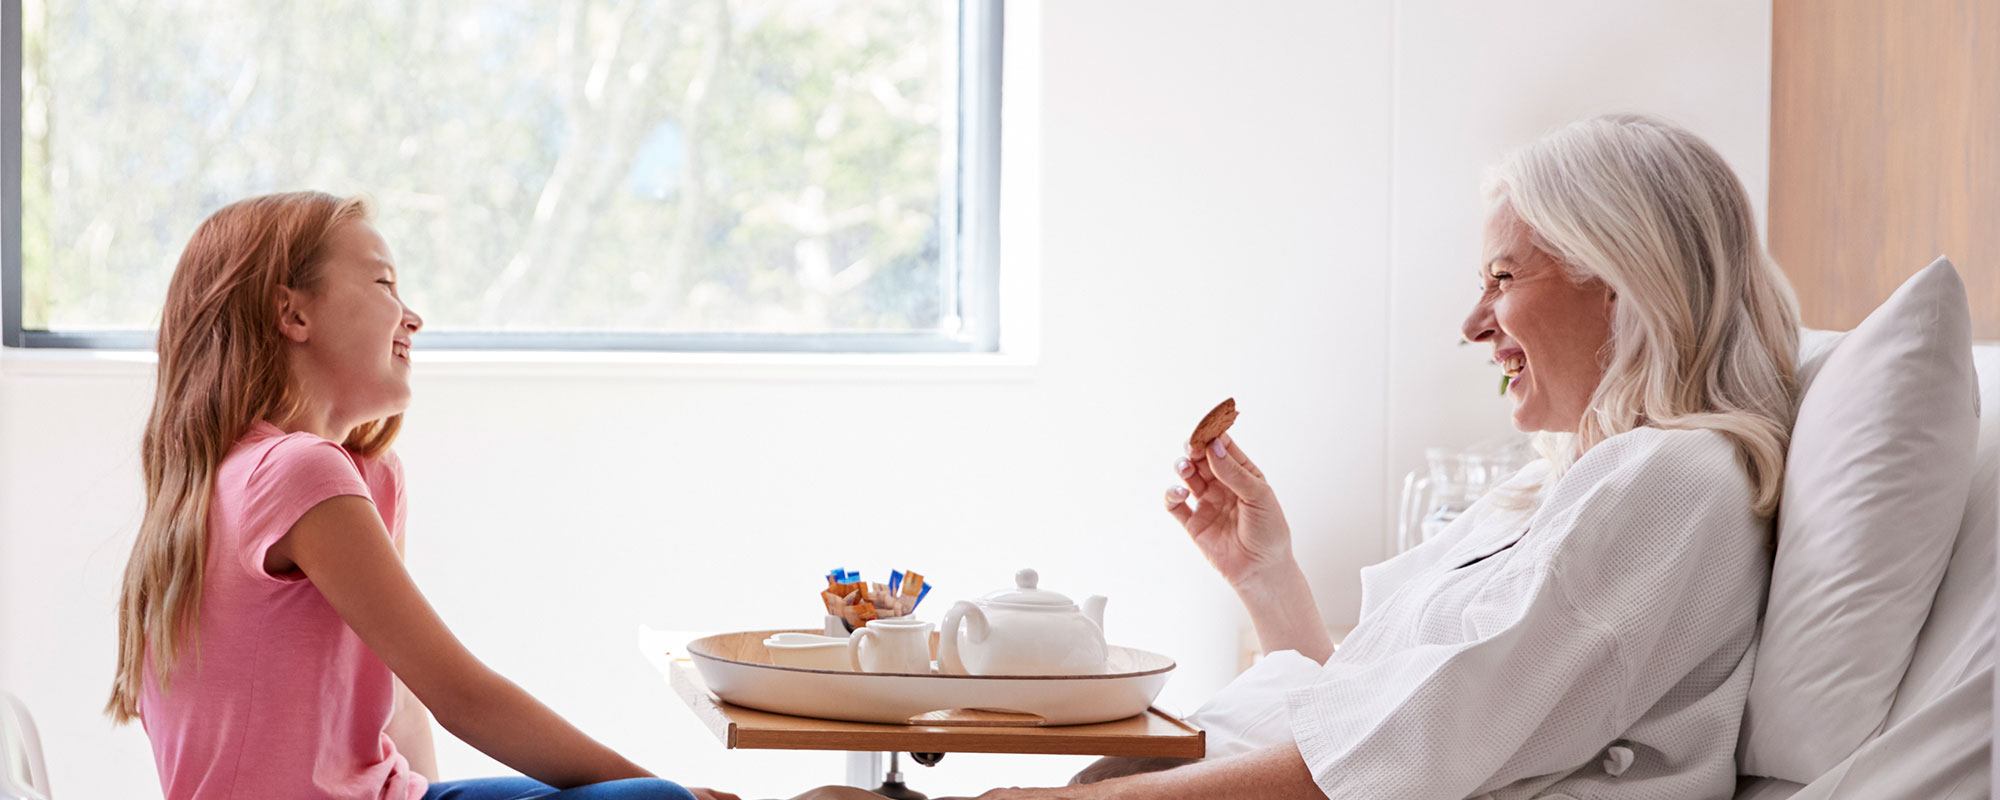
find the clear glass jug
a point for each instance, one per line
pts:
(1452, 480)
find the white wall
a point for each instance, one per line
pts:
(1275, 202)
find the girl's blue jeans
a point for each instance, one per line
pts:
(527, 788)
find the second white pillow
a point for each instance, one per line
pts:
(1875, 482)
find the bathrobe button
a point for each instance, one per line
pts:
(1617, 759)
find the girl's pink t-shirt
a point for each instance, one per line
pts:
(278, 697)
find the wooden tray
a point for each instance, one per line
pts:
(738, 668)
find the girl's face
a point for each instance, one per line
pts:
(351, 333)
(1549, 331)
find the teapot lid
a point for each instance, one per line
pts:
(1024, 593)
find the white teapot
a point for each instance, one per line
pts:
(1023, 631)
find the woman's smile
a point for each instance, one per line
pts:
(1529, 298)
(1514, 369)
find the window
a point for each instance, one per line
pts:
(706, 175)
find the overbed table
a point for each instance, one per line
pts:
(1152, 734)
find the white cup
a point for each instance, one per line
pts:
(901, 645)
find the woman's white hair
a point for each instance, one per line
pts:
(1705, 329)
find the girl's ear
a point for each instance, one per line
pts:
(291, 315)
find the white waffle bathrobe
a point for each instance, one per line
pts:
(1596, 646)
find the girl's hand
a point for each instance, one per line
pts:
(1235, 519)
(710, 794)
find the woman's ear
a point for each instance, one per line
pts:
(291, 315)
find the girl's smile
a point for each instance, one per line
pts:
(337, 330)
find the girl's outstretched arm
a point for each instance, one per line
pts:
(342, 546)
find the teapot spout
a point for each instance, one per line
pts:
(1093, 607)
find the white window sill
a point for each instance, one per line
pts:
(920, 367)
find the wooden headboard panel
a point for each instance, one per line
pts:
(1885, 150)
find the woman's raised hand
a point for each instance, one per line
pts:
(1237, 524)
(1235, 518)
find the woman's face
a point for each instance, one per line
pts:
(1551, 333)
(353, 347)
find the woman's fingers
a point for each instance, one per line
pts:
(1177, 504)
(1231, 471)
(1229, 446)
(1211, 497)
(1199, 485)
(1207, 512)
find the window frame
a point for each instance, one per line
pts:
(969, 217)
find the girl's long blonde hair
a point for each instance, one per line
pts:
(1706, 328)
(222, 367)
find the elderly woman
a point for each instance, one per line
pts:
(1588, 629)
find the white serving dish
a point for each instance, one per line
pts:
(738, 668)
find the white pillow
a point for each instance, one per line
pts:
(1875, 483)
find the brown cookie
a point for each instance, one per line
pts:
(1213, 425)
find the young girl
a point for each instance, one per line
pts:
(267, 629)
